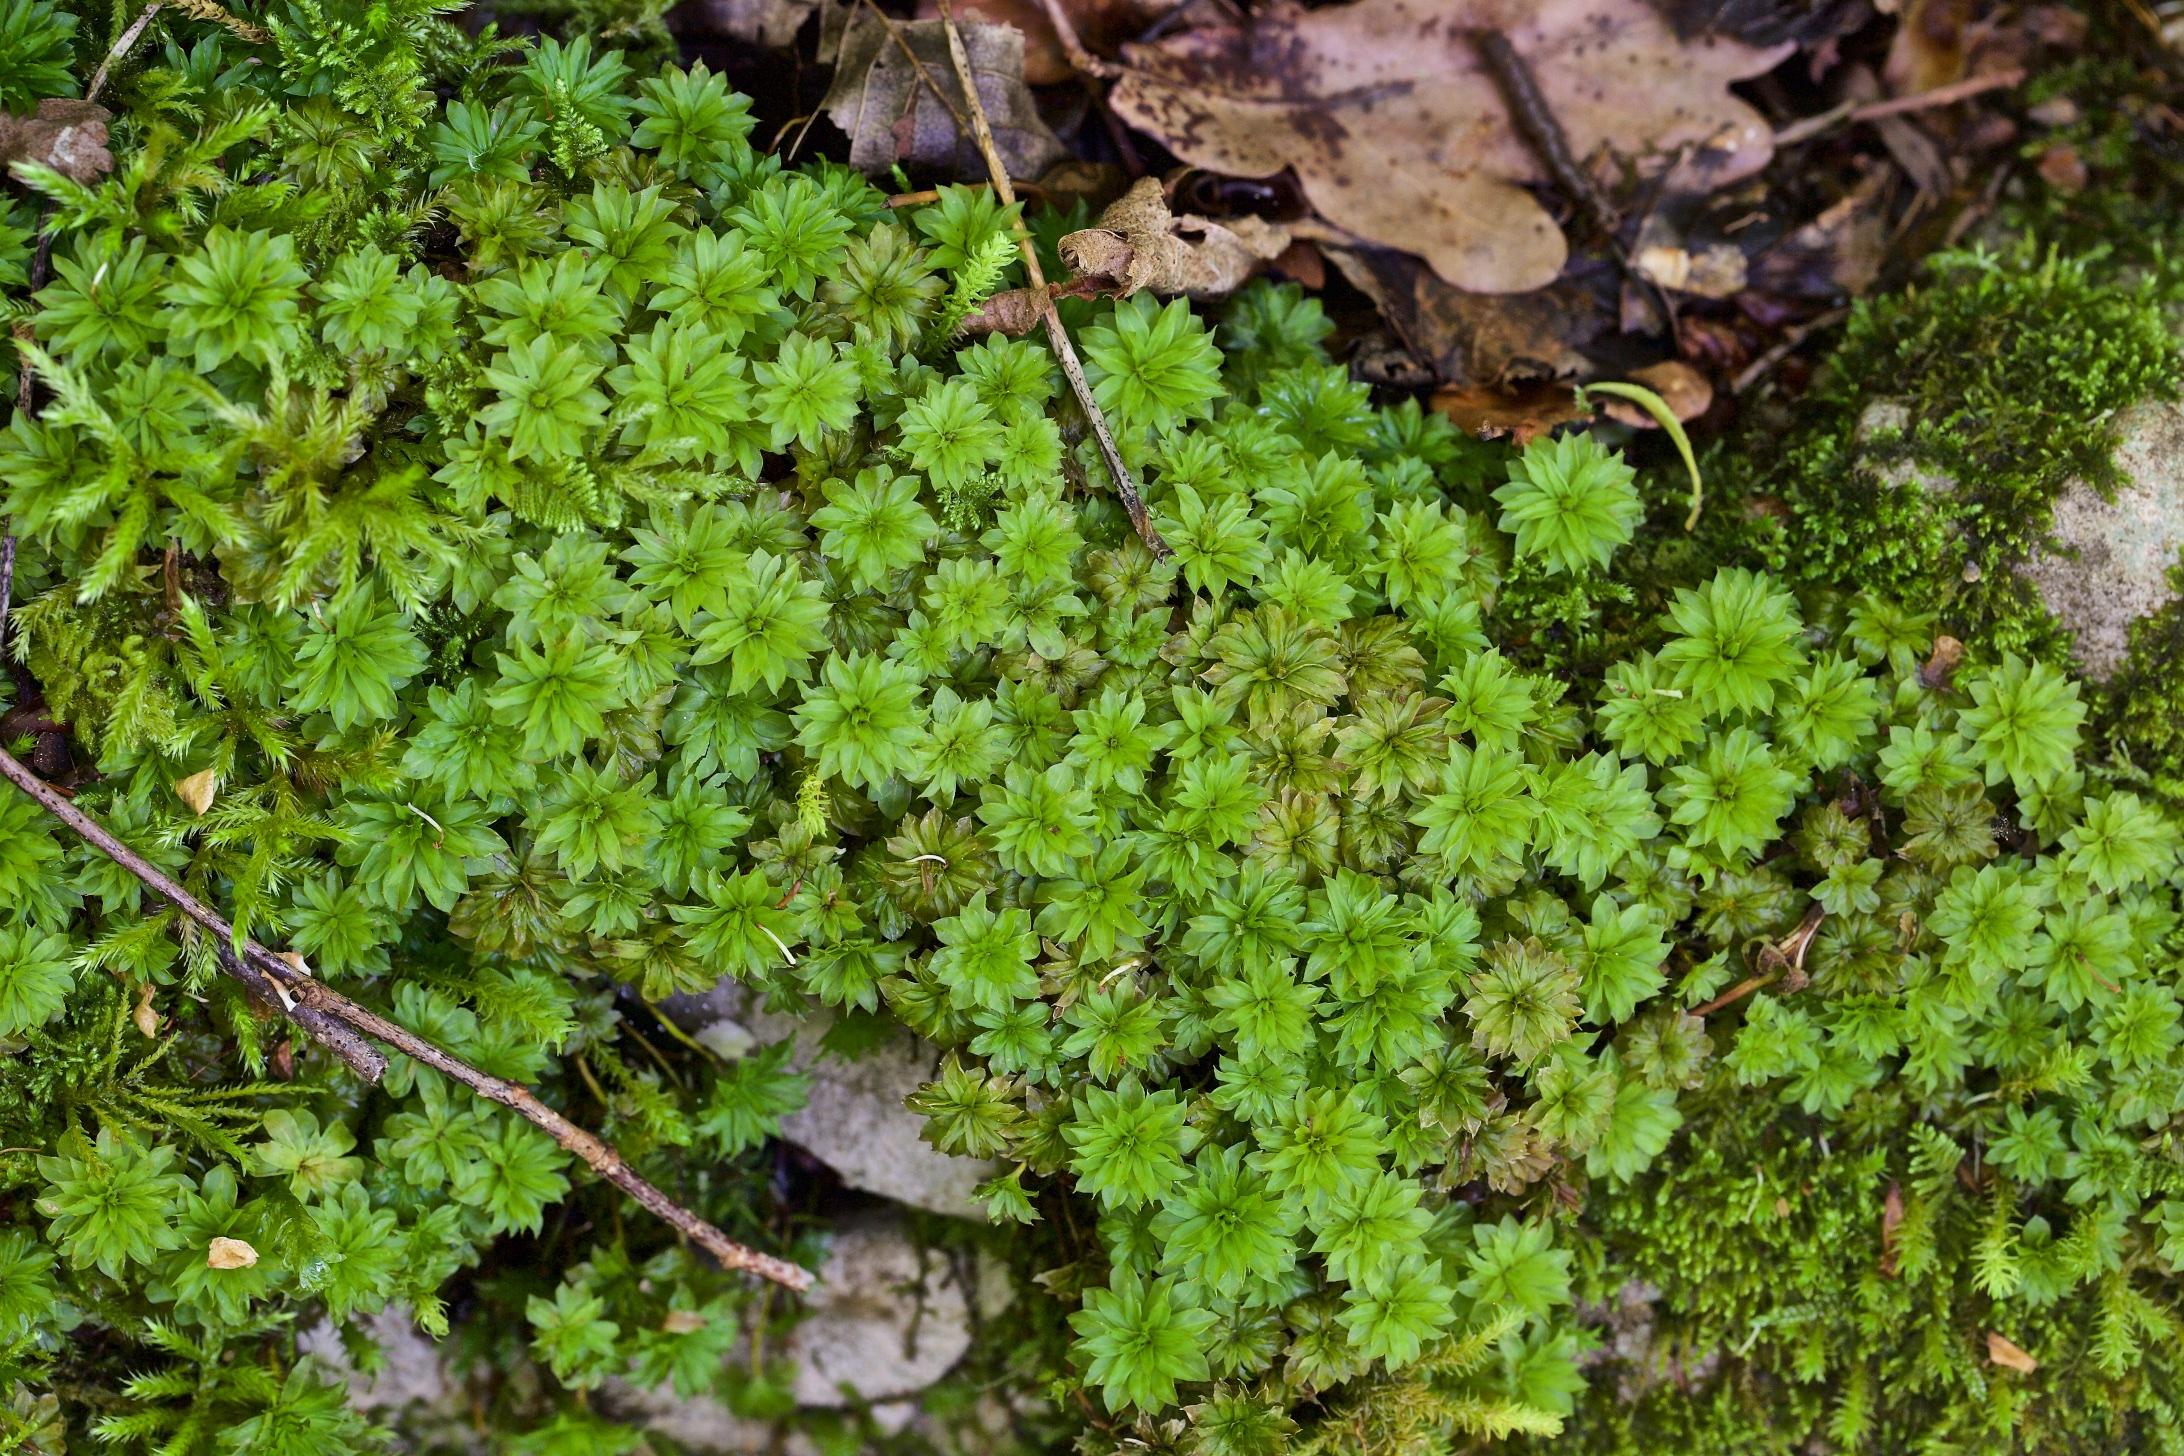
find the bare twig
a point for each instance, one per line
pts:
(1787, 345)
(1849, 113)
(1125, 484)
(123, 44)
(1535, 120)
(1783, 960)
(1073, 47)
(342, 1025)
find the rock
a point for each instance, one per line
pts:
(700, 1425)
(854, 1119)
(2113, 564)
(855, 1122)
(886, 1319)
(414, 1372)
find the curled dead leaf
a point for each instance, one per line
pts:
(2009, 1355)
(1140, 244)
(682, 1322)
(226, 1253)
(1891, 1221)
(198, 790)
(1398, 133)
(68, 136)
(146, 1019)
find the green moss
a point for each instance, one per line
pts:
(1928, 456)
(2146, 703)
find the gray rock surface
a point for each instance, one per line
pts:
(886, 1319)
(854, 1119)
(2109, 559)
(415, 1372)
(2115, 556)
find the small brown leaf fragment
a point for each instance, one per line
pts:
(682, 1322)
(2009, 1355)
(1941, 665)
(68, 136)
(146, 1019)
(1715, 271)
(1013, 311)
(226, 1253)
(1140, 244)
(2063, 169)
(1522, 414)
(198, 790)
(1687, 392)
(1891, 1220)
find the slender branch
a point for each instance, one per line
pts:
(1057, 334)
(1851, 112)
(123, 44)
(1073, 47)
(341, 1026)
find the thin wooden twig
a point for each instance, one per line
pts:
(1073, 47)
(1787, 345)
(1535, 120)
(123, 44)
(1058, 335)
(1850, 113)
(342, 1026)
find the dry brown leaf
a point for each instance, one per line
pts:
(226, 1253)
(769, 23)
(146, 1019)
(1478, 339)
(1891, 1220)
(198, 790)
(682, 1322)
(1139, 244)
(1687, 393)
(1522, 414)
(2009, 1355)
(1100, 24)
(1400, 136)
(68, 136)
(889, 108)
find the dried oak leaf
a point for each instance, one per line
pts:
(68, 136)
(1400, 136)
(889, 108)
(1140, 244)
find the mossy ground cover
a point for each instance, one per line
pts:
(502, 535)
